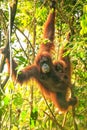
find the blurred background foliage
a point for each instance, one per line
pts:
(23, 107)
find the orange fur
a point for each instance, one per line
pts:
(56, 85)
(48, 33)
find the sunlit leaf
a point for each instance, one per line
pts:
(23, 115)
(6, 100)
(17, 99)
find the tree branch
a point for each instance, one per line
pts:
(13, 13)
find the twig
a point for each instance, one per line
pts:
(64, 120)
(25, 37)
(85, 110)
(5, 81)
(77, 2)
(20, 32)
(75, 124)
(14, 7)
(21, 45)
(54, 118)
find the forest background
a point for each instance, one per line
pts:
(23, 107)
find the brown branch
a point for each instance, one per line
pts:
(25, 37)
(21, 33)
(54, 118)
(63, 15)
(51, 117)
(64, 119)
(68, 19)
(73, 8)
(74, 121)
(13, 13)
(21, 46)
(4, 82)
(85, 110)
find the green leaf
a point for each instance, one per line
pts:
(17, 99)
(6, 101)
(85, 9)
(23, 115)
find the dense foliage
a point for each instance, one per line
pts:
(23, 107)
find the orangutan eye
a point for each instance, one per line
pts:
(44, 60)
